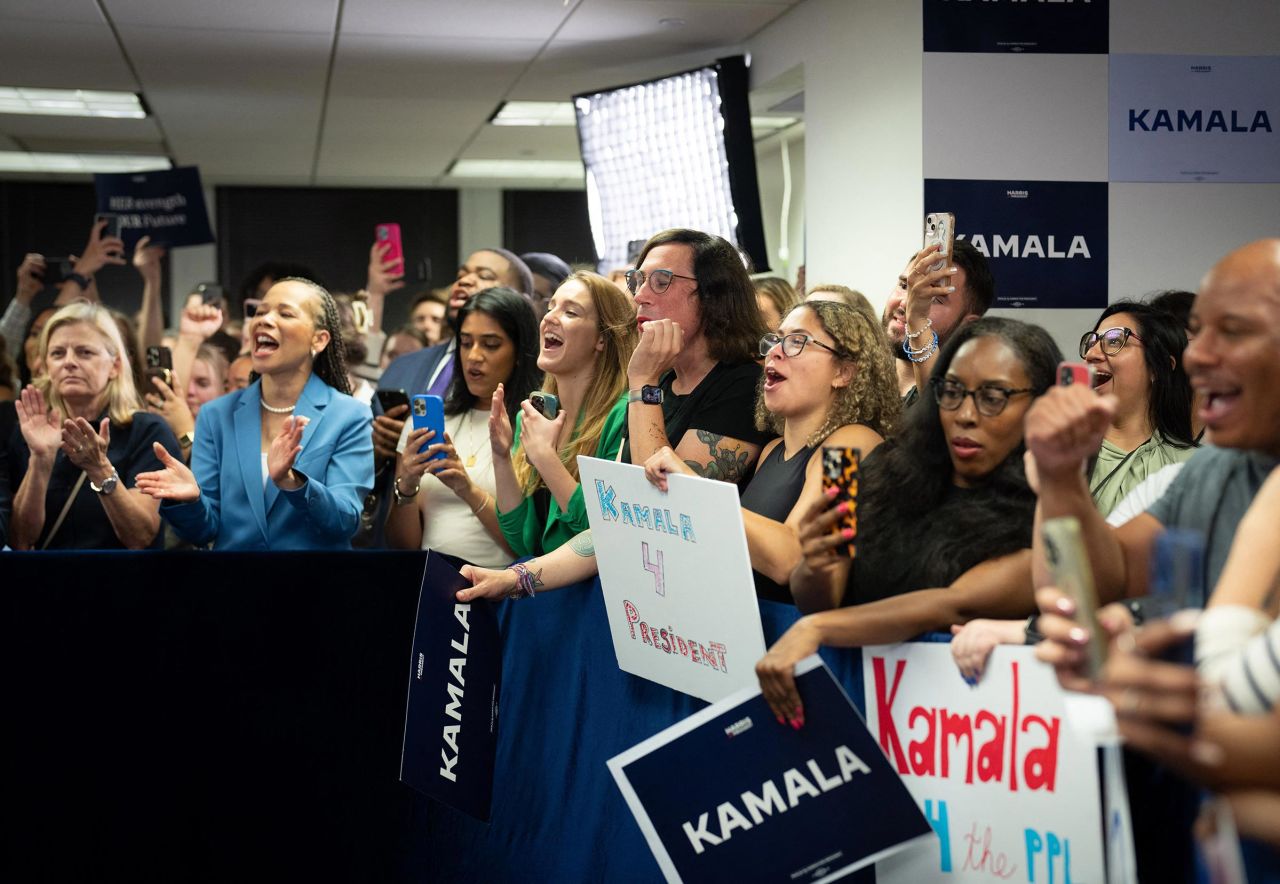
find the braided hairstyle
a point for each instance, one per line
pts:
(330, 364)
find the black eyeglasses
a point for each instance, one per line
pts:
(793, 344)
(659, 280)
(1113, 340)
(989, 399)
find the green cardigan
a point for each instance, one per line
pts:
(523, 527)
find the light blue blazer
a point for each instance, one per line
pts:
(235, 512)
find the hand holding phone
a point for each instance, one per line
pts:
(1069, 564)
(389, 398)
(840, 470)
(548, 404)
(428, 412)
(940, 230)
(160, 364)
(389, 234)
(1075, 373)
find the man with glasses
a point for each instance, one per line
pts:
(693, 376)
(1234, 364)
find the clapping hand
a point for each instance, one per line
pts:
(174, 482)
(41, 426)
(501, 437)
(85, 448)
(284, 450)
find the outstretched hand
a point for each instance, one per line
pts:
(175, 482)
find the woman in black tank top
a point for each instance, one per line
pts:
(828, 380)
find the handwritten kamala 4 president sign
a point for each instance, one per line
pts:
(676, 578)
(1194, 118)
(729, 794)
(1010, 789)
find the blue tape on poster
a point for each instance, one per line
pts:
(451, 716)
(168, 206)
(729, 794)
(1064, 26)
(1046, 240)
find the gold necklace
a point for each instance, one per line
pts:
(471, 458)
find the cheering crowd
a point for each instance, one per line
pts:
(290, 429)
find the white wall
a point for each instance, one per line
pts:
(864, 74)
(785, 254)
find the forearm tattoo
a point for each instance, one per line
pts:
(726, 465)
(583, 544)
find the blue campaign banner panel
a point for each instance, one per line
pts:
(1194, 118)
(451, 716)
(1046, 240)
(168, 206)
(732, 795)
(1063, 26)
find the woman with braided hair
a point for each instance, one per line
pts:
(286, 462)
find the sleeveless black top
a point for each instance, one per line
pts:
(773, 493)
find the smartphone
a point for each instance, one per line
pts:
(840, 470)
(390, 233)
(251, 306)
(548, 404)
(1069, 564)
(113, 224)
(1075, 373)
(211, 293)
(55, 270)
(428, 411)
(390, 399)
(940, 230)
(160, 364)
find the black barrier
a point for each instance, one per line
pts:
(206, 717)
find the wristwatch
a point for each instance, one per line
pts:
(108, 484)
(79, 279)
(186, 440)
(647, 394)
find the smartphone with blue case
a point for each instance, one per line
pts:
(428, 412)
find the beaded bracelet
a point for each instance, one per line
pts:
(400, 497)
(922, 354)
(928, 324)
(525, 582)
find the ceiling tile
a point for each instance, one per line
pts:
(411, 67)
(488, 20)
(87, 56)
(252, 16)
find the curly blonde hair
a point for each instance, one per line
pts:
(121, 395)
(871, 398)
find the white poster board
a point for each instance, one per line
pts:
(676, 577)
(1010, 788)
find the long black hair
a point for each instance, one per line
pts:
(906, 480)
(512, 311)
(1164, 338)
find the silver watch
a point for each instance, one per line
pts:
(108, 484)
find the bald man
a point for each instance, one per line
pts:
(1234, 365)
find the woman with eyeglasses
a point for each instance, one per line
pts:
(1135, 351)
(693, 375)
(828, 381)
(944, 513)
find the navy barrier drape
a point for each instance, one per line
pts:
(217, 717)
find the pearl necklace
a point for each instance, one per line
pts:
(286, 410)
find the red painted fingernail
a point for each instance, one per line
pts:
(847, 533)
(795, 724)
(843, 508)
(832, 492)
(781, 720)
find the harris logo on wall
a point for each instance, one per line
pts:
(1061, 26)
(1046, 240)
(1194, 118)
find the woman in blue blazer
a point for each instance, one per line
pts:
(286, 462)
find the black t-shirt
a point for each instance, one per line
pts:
(724, 403)
(86, 525)
(773, 493)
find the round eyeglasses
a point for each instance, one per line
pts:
(793, 345)
(1112, 340)
(659, 280)
(989, 399)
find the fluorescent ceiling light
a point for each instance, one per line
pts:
(516, 169)
(535, 113)
(71, 103)
(23, 161)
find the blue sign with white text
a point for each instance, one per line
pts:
(1046, 240)
(729, 794)
(168, 206)
(1064, 26)
(451, 716)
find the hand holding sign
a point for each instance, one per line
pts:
(776, 671)
(663, 463)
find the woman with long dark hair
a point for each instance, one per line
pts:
(454, 511)
(945, 513)
(286, 462)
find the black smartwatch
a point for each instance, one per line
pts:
(79, 279)
(649, 395)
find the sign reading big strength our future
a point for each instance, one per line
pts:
(676, 578)
(1010, 789)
